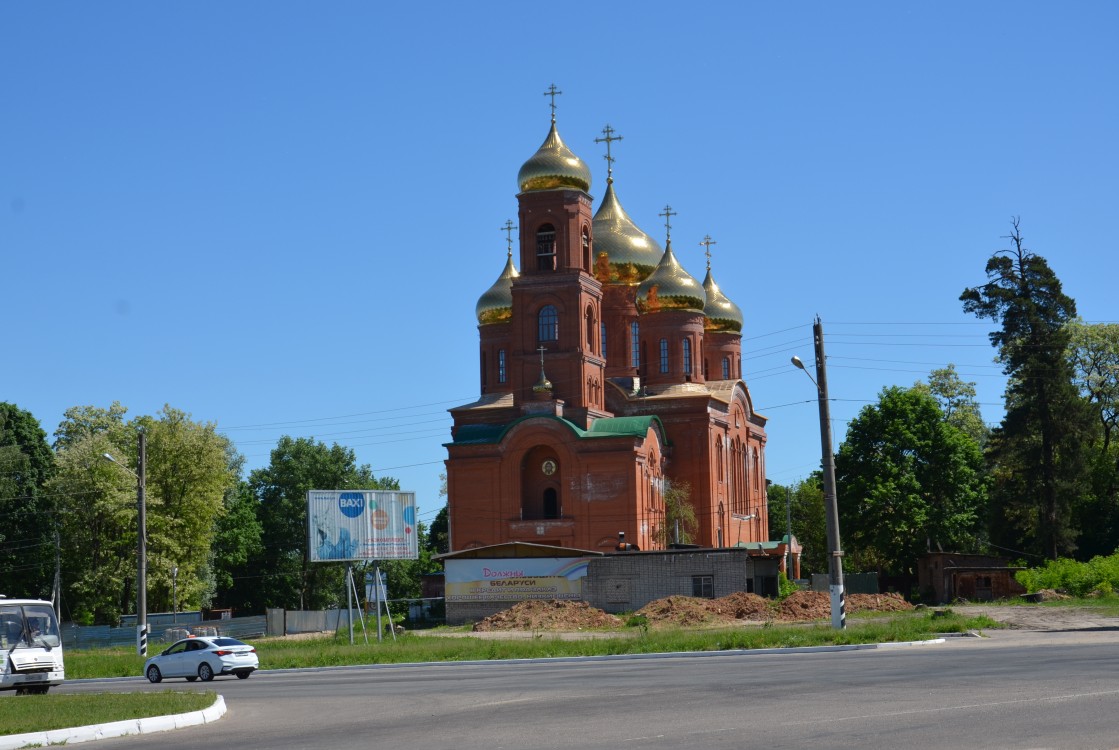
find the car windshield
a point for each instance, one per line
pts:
(41, 627)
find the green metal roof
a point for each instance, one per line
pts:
(480, 434)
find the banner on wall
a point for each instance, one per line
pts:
(519, 579)
(361, 525)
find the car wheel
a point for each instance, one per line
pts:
(192, 678)
(153, 674)
(206, 672)
(243, 675)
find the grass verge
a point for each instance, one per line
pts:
(412, 648)
(42, 713)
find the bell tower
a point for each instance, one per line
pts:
(557, 302)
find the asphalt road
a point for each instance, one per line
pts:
(1012, 690)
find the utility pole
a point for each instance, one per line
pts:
(142, 549)
(831, 511)
(789, 533)
(835, 552)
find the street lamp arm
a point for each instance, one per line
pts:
(800, 366)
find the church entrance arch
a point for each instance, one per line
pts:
(541, 484)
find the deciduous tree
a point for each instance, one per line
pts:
(27, 517)
(907, 482)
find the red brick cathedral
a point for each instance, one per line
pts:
(608, 372)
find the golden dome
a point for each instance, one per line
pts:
(670, 287)
(723, 316)
(554, 166)
(496, 305)
(630, 254)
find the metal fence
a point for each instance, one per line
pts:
(103, 636)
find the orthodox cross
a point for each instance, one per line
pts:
(553, 92)
(609, 131)
(508, 229)
(668, 214)
(707, 243)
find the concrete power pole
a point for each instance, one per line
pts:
(142, 549)
(835, 552)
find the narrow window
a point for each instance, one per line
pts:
(703, 587)
(586, 252)
(664, 355)
(634, 345)
(726, 368)
(546, 248)
(484, 379)
(602, 338)
(590, 329)
(687, 356)
(547, 328)
(501, 365)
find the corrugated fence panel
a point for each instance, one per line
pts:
(103, 636)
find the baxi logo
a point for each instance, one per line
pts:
(352, 504)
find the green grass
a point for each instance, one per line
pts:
(410, 648)
(42, 713)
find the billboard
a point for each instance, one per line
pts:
(361, 525)
(515, 579)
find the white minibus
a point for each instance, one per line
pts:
(31, 646)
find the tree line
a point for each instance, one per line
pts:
(920, 471)
(214, 539)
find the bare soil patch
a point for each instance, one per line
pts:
(685, 611)
(549, 615)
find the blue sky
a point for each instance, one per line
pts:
(278, 216)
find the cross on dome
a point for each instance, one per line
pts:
(610, 137)
(553, 92)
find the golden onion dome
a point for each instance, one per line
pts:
(670, 287)
(496, 305)
(624, 254)
(554, 166)
(723, 316)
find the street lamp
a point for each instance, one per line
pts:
(175, 594)
(831, 511)
(141, 546)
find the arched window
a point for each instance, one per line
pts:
(634, 345)
(586, 251)
(547, 324)
(590, 329)
(546, 248)
(602, 338)
(687, 356)
(726, 368)
(664, 355)
(501, 365)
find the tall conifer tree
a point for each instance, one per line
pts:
(1037, 454)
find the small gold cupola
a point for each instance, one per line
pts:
(496, 304)
(670, 287)
(723, 316)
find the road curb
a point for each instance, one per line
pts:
(149, 725)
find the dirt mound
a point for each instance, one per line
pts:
(816, 605)
(804, 605)
(549, 615)
(877, 603)
(678, 610)
(743, 606)
(686, 611)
